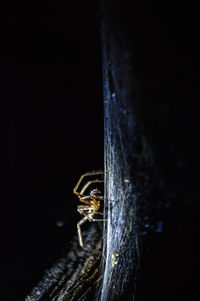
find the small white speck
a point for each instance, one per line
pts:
(115, 258)
(126, 181)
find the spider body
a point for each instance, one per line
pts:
(92, 202)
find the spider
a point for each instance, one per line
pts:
(92, 200)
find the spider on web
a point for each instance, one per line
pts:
(92, 200)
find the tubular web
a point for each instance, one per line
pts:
(120, 251)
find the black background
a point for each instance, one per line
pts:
(52, 83)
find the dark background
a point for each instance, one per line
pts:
(52, 84)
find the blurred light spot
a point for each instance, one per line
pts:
(60, 223)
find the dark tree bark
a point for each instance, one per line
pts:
(76, 275)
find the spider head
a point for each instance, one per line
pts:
(95, 194)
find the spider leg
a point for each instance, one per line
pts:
(86, 175)
(82, 209)
(88, 217)
(82, 221)
(81, 212)
(84, 199)
(98, 220)
(89, 183)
